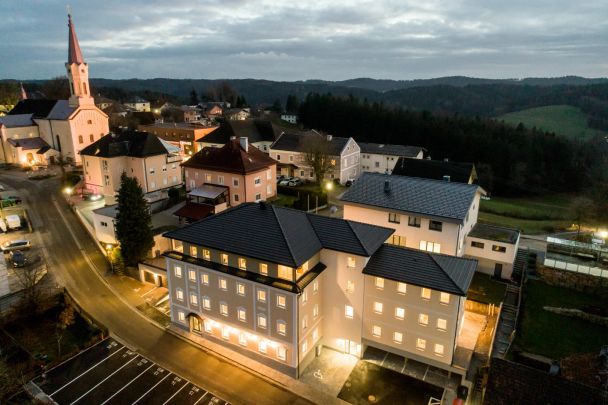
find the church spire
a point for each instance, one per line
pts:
(23, 93)
(74, 53)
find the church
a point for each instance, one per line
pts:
(39, 132)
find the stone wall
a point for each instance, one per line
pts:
(577, 281)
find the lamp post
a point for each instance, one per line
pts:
(109, 253)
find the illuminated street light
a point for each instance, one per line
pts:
(68, 190)
(604, 234)
(329, 186)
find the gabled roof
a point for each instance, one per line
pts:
(61, 111)
(295, 141)
(38, 108)
(17, 120)
(431, 270)
(388, 149)
(280, 235)
(459, 172)
(434, 198)
(254, 129)
(128, 143)
(36, 143)
(230, 158)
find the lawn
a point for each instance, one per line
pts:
(557, 336)
(283, 200)
(561, 119)
(484, 289)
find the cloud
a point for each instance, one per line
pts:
(398, 39)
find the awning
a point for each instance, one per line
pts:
(208, 191)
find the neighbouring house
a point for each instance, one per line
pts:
(459, 172)
(260, 133)
(138, 104)
(116, 109)
(20, 141)
(291, 118)
(289, 150)
(103, 102)
(381, 158)
(214, 110)
(183, 135)
(306, 281)
(151, 160)
(238, 114)
(66, 126)
(205, 200)
(494, 247)
(248, 173)
(192, 114)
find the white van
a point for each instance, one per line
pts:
(13, 221)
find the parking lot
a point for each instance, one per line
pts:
(110, 373)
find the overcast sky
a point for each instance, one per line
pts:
(296, 40)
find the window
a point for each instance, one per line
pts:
(257, 181)
(181, 316)
(348, 312)
(278, 157)
(315, 334)
(224, 259)
(106, 180)
(377, 164)
(376, 331)
(399, 313)
(208, 325)
(192, 275)
(477, 244)
(224, 308)
(394, 218)
(304, 297)
(281, 353)
(236, 198)
(350, 262)
(225, 332)
(379, 283)
(305, 346)
(264, 269)
(152, 171)
(398, 337)
(281, 328)
(500, 249)
(420, 344)
(152, 184)
(207, 303)
(242, 314)
(315, 287)
(315, 311)
(401, 288)
(435, 225)
(444, 298)
(179, 294)
(223, 284)
(397, 240)
(207, 178)
(205, 278)
(258, 197)
(263, 346)
(164, 168)
(301, 173)
(262, 321)
(430, 246)
(281, 301)
(439, 349)
(89, 122)
(240, 289)
(423, 319)
(220, 179)
(242, 339)
(242, 263)
(178, 271)
(378, 307)
(442, 324)
(268, 174)
(425, 294)
(80, 140)
(350, 286)
(262, 295)
(235, 182)
(305, 322)
(286, 273)
(104, 224)
(414, 221)
(91, 138)
(193, 299)
(291, 158)
(206, 254)
(193, 251)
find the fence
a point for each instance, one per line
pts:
(576, 268)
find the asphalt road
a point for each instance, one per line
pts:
(71, 268)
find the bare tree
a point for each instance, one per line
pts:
(66, 318)
(317, 151)
(29, 278)
(581, 211)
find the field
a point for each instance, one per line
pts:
(561, 119)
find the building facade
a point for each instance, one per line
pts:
(260, 133)
(185, 136)
(382, 158)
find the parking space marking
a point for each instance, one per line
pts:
(104, 380)
(129, 383)
(147, 392)
(104, 359)
(175, 393)
(201, 398)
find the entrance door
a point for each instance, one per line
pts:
(498, 270)
(350, 347)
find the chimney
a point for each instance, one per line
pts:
(328, 138)
(387, 186)
(446, 178)
(244, 141)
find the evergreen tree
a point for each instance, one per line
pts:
(292, 104)
(277, 106)
(133, 221)
(193, 97)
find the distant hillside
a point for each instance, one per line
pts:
(560, 119)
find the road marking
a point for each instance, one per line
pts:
(147, 392)
(129, 383)
(176, 392)
(144, 294)
(104, 359)
(201, 398)
(105, 379)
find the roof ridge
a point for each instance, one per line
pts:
(357, 237)
(432, 255)
(274, 211)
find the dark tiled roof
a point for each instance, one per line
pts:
(39, 108)
(61, 111)
(280, 235)
(29, 143)
(128, 143)
(294, 142)
(194, 211)
(230, 158)
(387, 149)
(17, 120)
(459, 172)
(495, 233)
(254, 129)
(431, 270)
(514, 383)
(434, 198)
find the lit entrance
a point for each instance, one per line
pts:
(351, 347)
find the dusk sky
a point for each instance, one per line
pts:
(332, 40)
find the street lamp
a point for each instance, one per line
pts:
(68, 190)
(329, 186)
(109, 253)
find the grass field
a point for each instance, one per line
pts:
(553, 335)
(561, 119)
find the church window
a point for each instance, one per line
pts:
(80, 140)
(84, 87)
(89, 122)
(91, 138)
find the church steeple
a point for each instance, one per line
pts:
(78, 70)
(23, 93)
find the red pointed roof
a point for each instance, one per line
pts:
(74, 53)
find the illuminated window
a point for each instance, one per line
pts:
(401, 288)
(500, 249)
(261, 295)
(281, 353)
(178, 271)
(242, 263)
(315, 286)
(425, 293)
(315, 311)
(379, 283)
(205, 278)
(193, 299)
(444, 298)
(240, 289)
(242, 315)
(348, 312)
(439, 349)
(397, 240)
(264, 269)
(192, 275)
(224, 308)
(207, 303)
(193, 251)
(223, 284)
(207, 178)
(399, 313)
(305, 322)
(262, 321)
(281, 328)
(398, 337)
(224, 259)
(378, 307)
(423, 319)
(350, 262)
(304, 297)
(225, 332)
(430, 246)
(420, 344)
(242, 339)
(315, 334)
(281, 301)
(286, 273)
(305, 346)
(442, 324)
(179, 294)
(376, 331)
(206, 254)
(208, 326)
(181, 316)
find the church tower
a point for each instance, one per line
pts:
(78, 71)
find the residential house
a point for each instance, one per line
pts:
(248, 173)
(460, 172)
(138, 104)
(21, 143)
(152, 161)
(291, 118)
(260, 133)
(494, 247)
(183, 135)
(289, 150)
(103, 102)
(306, 281)
(238, 114)
(203, 201)
(381, 158)
(191, 114)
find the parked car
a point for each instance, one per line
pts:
(18, 258)
(295, 182)
(285, 181)
(17, 244)
(280, 178)
(13, 221)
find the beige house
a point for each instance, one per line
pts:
(289, 151)
(152, 161)
(138, 104)
(184, 135)
(247, 173)
(382, 158)
(494, 247)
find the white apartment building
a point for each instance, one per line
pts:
(381, 158)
